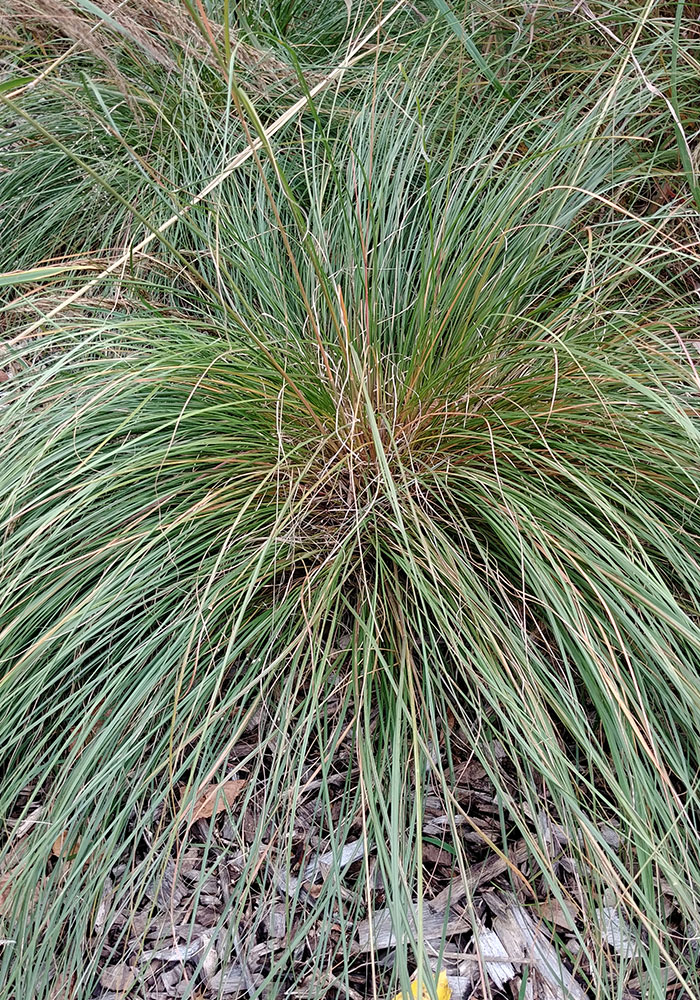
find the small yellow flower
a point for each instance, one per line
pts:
(443, 989)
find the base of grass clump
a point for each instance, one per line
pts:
(349, 582)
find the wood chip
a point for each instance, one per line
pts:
(23, 826)
(495, 957)
(524, 939)
(179, 952)
(105, 903)
(232, 980)
(494, 866)
(171, 979)
(166, 888)
(323, 863)
(277, 923)
(379, 932)
(617, 932)
(118, 978)
(210, 961)
(461, 986)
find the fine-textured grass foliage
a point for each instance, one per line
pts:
(391, 450)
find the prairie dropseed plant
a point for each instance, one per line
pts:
(383, 463)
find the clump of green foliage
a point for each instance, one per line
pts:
(388, 447)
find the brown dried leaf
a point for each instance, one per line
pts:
(214, 798)
(59, 844)
(5, 889)
(563, 917)
(62, 988)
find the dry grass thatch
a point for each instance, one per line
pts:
(156, 28)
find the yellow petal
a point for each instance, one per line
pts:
(443, 989)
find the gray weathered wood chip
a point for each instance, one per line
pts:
(379, 932)
(526, 940)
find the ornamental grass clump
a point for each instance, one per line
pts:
(387, 458)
